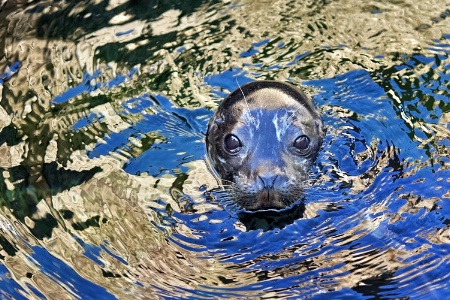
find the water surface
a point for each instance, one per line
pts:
(104, 190)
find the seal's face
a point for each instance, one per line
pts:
(262, 141)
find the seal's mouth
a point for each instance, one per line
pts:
(265, 198)
(268, 198)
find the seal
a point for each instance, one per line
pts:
(262, 142)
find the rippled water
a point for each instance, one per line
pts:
(104, 191)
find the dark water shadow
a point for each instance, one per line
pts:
(24, 198)
(271, 219)
(60, 179)
(378, 286)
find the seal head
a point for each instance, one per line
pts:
(262, 142)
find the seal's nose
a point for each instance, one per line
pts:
(269, 176)
(269, 194)
(268, 181)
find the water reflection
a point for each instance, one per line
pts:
(103, 188)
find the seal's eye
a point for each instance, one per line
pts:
(232, 143)
(302, 143)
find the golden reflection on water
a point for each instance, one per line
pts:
(360, 34)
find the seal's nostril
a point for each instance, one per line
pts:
(268, 181)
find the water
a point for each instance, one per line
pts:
(104, 191)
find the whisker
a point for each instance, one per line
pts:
(246, 103)
(226, 180)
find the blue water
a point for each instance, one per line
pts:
(392, 177)
(124, 209)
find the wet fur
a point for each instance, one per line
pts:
(289, 111)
